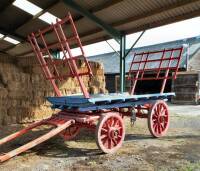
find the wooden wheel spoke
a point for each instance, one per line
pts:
(107, 124)
(155, 112)
(159, 129)
(154, 125)
(161, 107)
(156, 128)
(117, 122)
(104, 137)
(118, 128)
(104, 130)
(105, 142)
(111, 122)
(165, 115)
(162, 126)
(119, 136)
(155, 120)
(164, 111)
(114, 141)
(109, 143)
(154, 117)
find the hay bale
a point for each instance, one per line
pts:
(23, 88)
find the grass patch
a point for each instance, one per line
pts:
(191, 167)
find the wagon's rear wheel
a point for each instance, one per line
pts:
(158, 119)
(110, 132)
(70, 132)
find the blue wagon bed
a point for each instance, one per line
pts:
(104, 101)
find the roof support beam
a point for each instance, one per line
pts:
(109, 29)
(12, 35)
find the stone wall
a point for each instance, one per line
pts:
(194, 62)
(186, 88)
(23, 88)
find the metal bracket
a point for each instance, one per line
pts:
(133, 45)
(113, 48)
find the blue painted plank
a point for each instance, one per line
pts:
(80, 101)
(110, 106)
(107, 106)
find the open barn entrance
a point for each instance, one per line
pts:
(147, 86)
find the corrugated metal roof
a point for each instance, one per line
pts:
(111, 61)
(124, 15)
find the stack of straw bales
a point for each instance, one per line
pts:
(23, 88)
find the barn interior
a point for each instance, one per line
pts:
(23, 89)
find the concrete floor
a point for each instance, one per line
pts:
(188, 110)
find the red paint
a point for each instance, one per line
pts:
(140, 60)
(42, 49)
(158, 119)
(110, 132)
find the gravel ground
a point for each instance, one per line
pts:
(188, 110)
(178, 150)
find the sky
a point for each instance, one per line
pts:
(170, 32)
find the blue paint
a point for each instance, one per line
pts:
(104, 101)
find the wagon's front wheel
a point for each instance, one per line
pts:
(158, 119)
(110, 132)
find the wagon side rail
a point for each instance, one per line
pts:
(65, 36)
(154, 65)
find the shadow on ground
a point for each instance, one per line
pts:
(57, 148)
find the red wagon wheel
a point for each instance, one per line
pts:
(110, 132)
(70, 132)
(158, 119)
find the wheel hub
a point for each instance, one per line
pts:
(160, 119)
(113, 133)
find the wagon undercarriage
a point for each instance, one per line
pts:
(106, 123)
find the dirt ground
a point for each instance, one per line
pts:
(178, 150)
